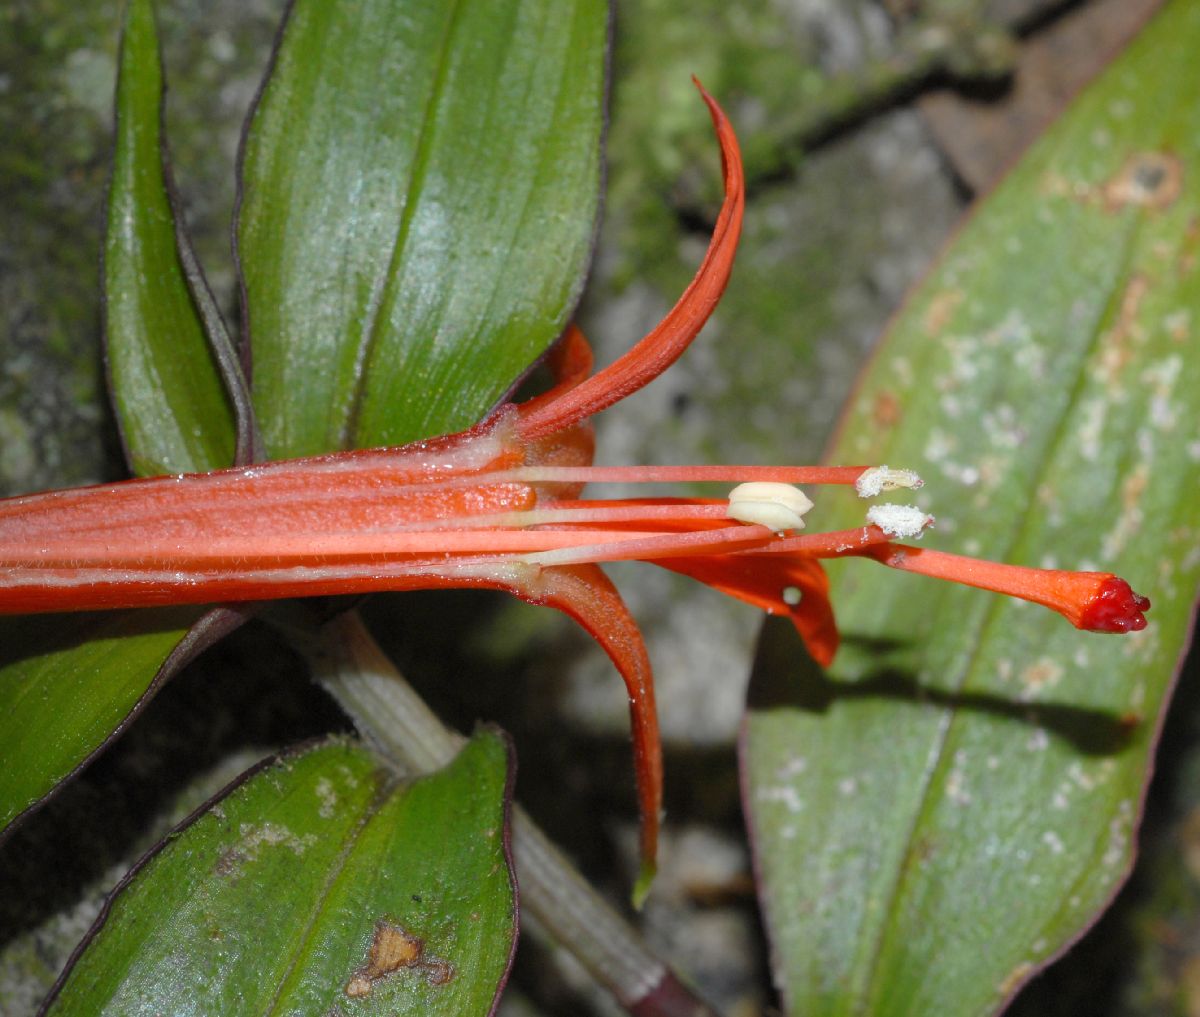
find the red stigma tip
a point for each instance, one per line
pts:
(1114, 608)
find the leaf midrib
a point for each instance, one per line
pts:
(872, 986)
(388, 788)
(373, 325)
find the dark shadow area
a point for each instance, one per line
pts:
(573, 784)
(577, 786)
(27, 637)
(249, 695)
(786, 677)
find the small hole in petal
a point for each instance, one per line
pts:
(792, 595)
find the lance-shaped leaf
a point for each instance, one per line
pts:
(419, 191)
(953, 802)
(319, 885)
(70, 683)
(172, 403)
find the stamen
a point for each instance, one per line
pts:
(832, 544)
(680, 474)
(778, 507)
(653, 546)
(672, 511)
(590, 513)
(877, 479)
(330, 550)
(904, 521)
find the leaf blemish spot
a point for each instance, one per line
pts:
(1016, 978)
(1191, 241)
(1178, 324)
(785, 795)
(941, 309)
(394, 949)
(328, 797)
(1148, 179)
(1042, 674)
(956, 784)
(887, 410)
(1117, 349)
(792, 767)
(1130, 517)
(1054, 842)
(253, 840)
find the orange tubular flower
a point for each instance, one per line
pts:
(498, 506)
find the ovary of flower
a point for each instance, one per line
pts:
(778, 507)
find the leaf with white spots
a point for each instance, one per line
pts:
(1045, 382)
(319, 884)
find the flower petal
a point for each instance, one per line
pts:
(663, 345)
(586, 594)
(570, 361)
(791, 585)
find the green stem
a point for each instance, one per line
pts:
(389, 714)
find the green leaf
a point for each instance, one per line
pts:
(172, 406)
(420, 186)
(290, 894)
(946, 809)
(69, 683)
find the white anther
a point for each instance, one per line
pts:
(878, 479)
(777, 506)
(906, 521)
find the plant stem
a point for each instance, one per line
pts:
(389, 714)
